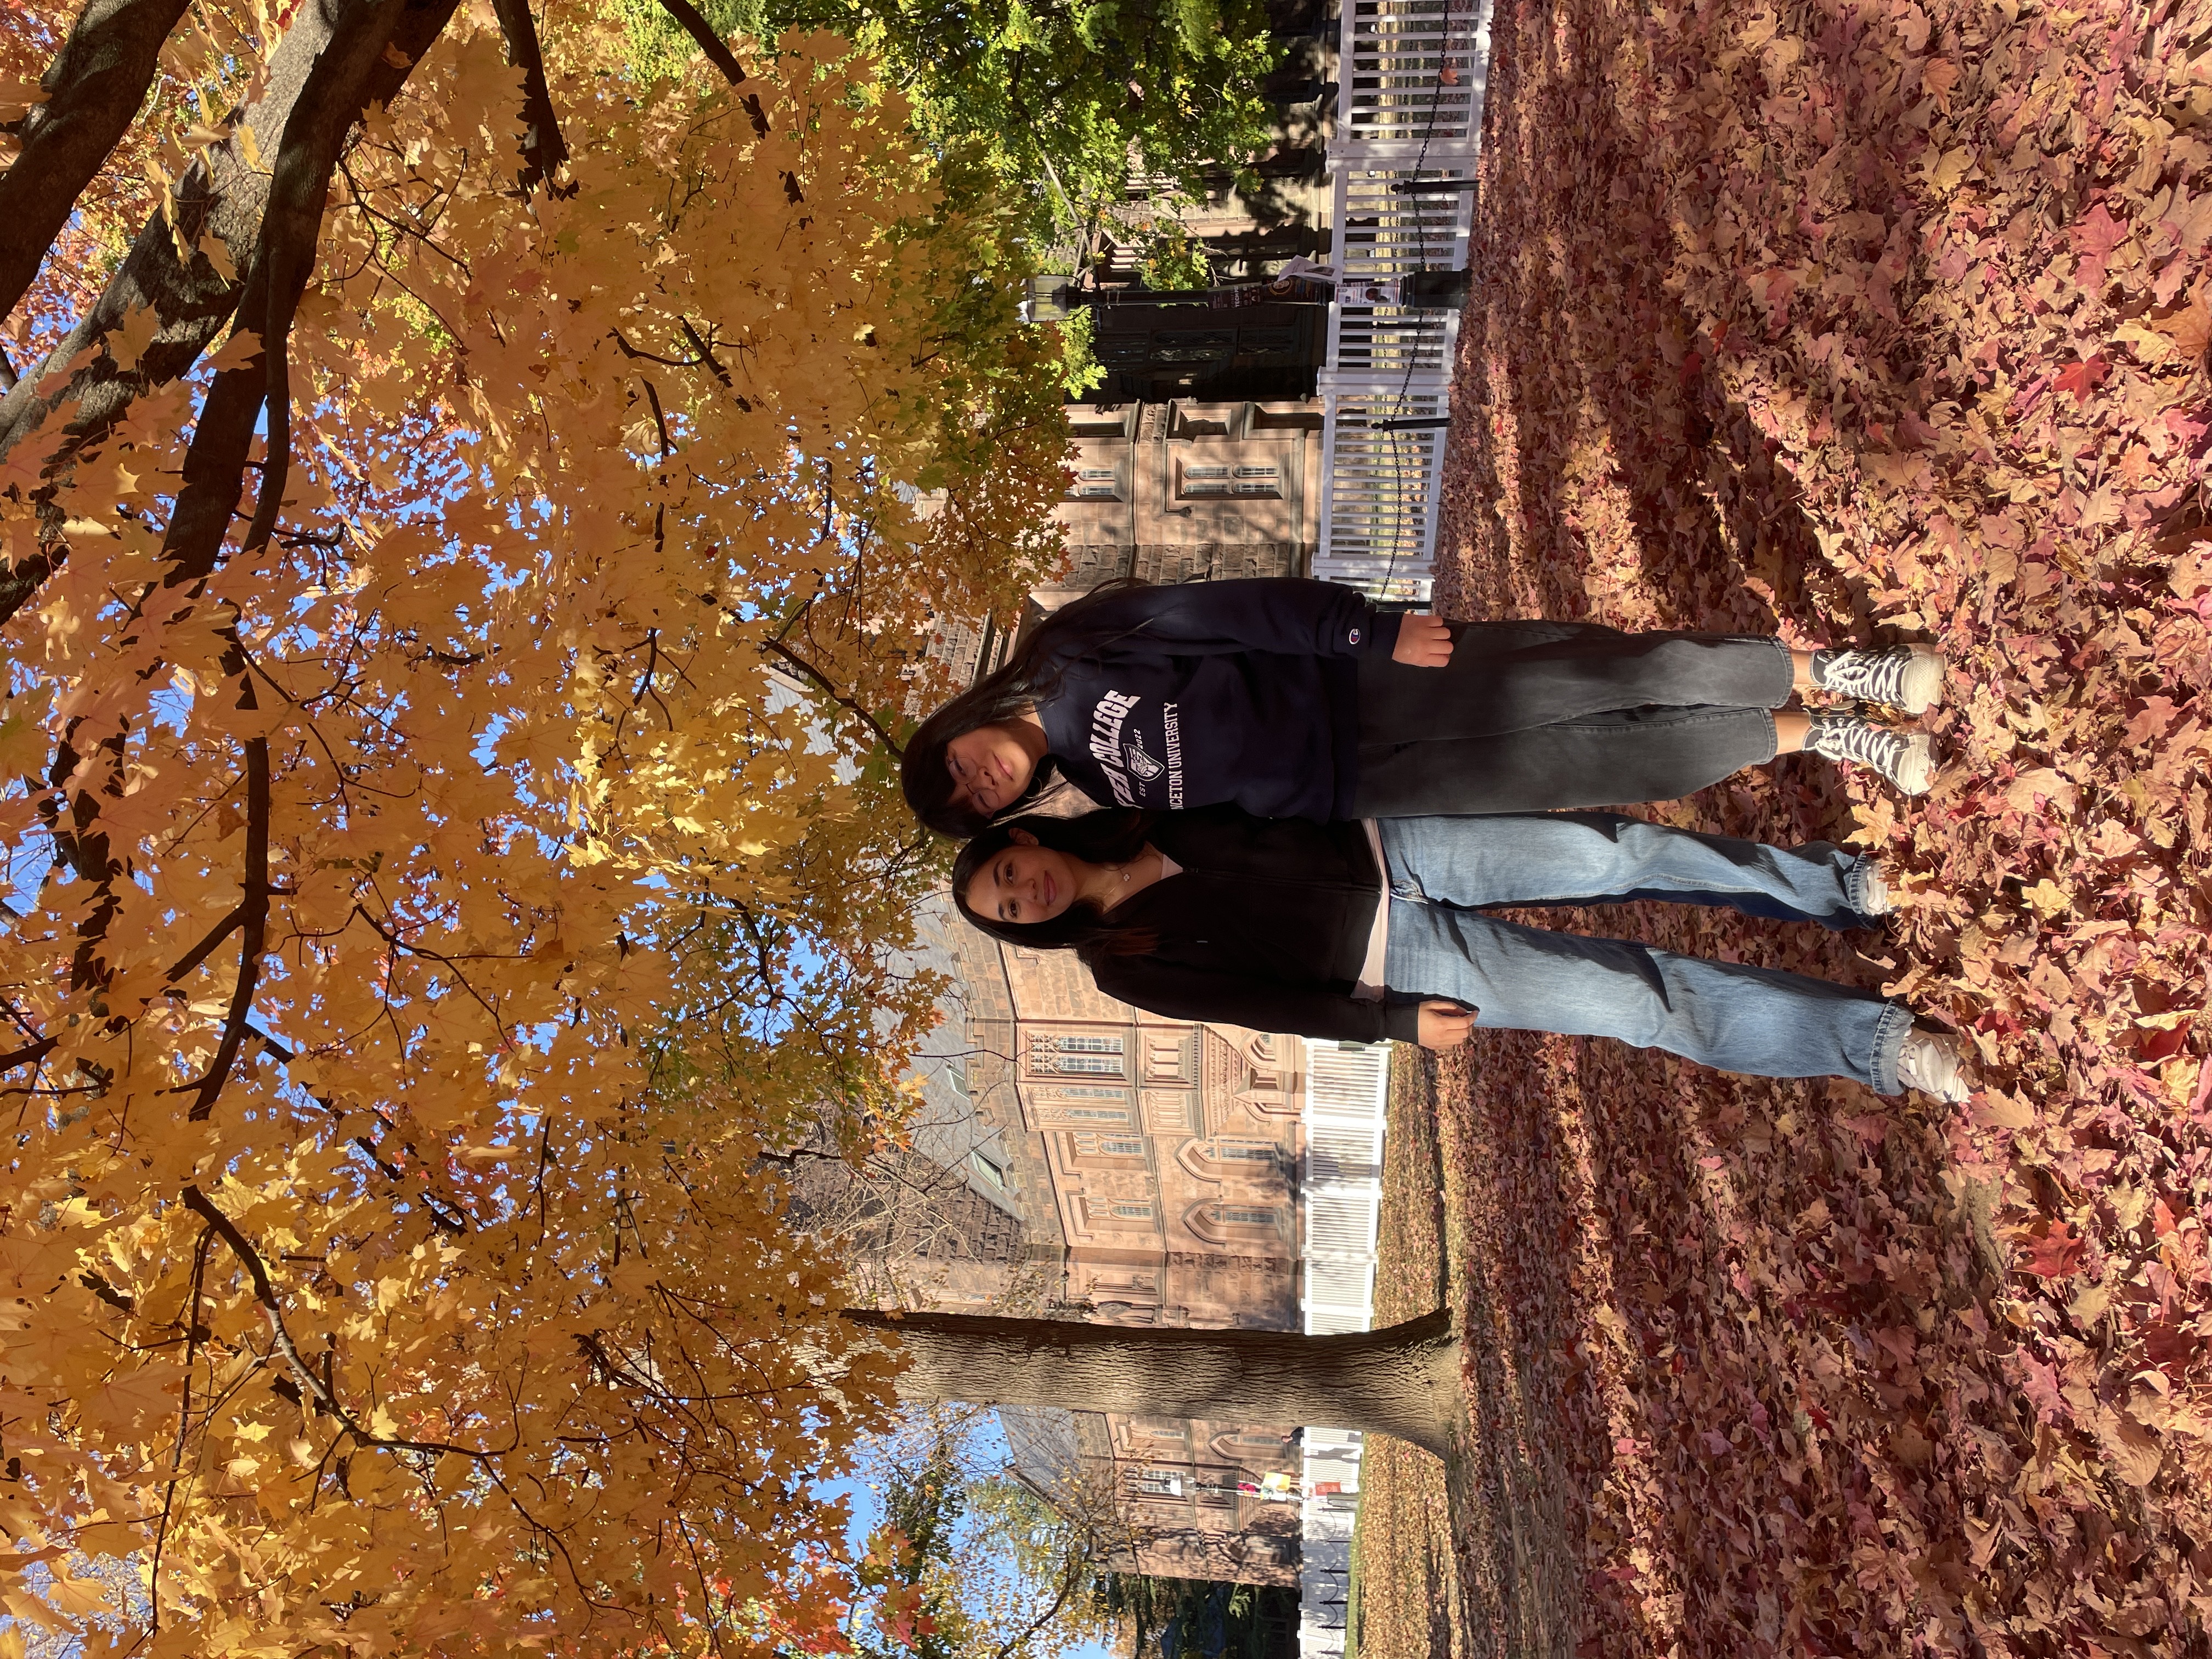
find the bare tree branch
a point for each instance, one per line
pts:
(253, 924)
(94, 89)
(199, 953)
(779, 648)
(1070, 1582)
(316, 1388)
(719, 54)
(543, 150)
(695, 24)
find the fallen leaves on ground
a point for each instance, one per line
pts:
(1851, 322)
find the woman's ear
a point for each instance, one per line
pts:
(1021, 837)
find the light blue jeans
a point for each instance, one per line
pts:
(1736, 1018)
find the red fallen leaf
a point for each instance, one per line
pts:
(2170, 1346)
(1914, 433)
(2096, 233)
(1448, 76)
(2082, 378)
(2039, 1383)
(2161, 1045)
(2055, 1253)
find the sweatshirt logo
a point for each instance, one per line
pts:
(1119, 749)
(1107, 719)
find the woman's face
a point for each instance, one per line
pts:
(990, 769)
(1026, 883)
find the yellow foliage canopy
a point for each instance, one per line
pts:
(421, 923)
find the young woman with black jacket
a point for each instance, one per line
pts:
(1298, 699)
(1284, 925)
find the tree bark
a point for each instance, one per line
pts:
(218, 196)
(221, 195)
(1403, 1381)
(281, 259)
(94, 89)
(543, 149)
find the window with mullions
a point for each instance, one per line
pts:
(1080, 1056)
(1198, 482)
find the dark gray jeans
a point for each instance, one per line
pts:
(1535, 717)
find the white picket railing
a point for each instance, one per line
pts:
(1405, 136)
(1347, 1090)
(1347, 1099)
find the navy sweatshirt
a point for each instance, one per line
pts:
(1225, 691)
(1266, 926)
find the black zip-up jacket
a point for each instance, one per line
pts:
(1266, 926)
(1244, 691)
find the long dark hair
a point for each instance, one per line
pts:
(1113, 837)
(1027, 679)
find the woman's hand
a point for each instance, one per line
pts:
(1443, 1024)
(1423, 641)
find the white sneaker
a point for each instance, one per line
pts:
(1874, 889)
(1907, 677)
(1929, 1062)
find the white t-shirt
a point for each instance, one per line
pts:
(1371, 966)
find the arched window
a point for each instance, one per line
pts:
(1234, 1223)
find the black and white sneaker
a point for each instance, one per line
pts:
(1929, 1062)
(1906, 677)
(1907, 759)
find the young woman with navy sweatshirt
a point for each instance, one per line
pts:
(1293, 698)
(1374, 930)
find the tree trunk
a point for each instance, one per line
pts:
(97, 80)
(1403, 1381)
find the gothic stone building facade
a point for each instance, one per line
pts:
(1156, 1160)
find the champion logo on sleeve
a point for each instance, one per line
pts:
(1355, 637)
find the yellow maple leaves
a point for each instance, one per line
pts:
(419, 926)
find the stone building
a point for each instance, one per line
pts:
(1185, 491)
(1151, 1168)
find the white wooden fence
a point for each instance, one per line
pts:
(1411, 76)
(1347, 1097)
(1347, 1087)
